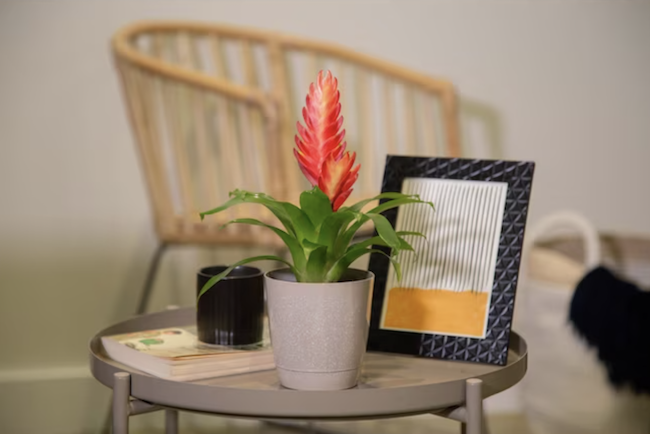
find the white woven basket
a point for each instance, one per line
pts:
(566, 388)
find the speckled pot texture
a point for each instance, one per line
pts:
(319, 331)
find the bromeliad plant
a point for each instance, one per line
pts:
(319, 233)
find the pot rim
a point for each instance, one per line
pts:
(369, 275)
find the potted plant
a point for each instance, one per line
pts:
(318, 306)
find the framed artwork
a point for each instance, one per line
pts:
(456, 296)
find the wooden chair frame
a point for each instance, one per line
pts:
(146, 81)
(278, 124)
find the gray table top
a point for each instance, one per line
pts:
(391, 384)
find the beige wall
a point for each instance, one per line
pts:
(564, 83)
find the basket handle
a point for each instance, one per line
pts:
(575, 221)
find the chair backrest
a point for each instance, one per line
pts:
(387, 109)
(214, 107)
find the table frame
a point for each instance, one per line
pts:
(470, 414)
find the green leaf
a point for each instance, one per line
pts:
(316, 265)
(404, 245)
(396, 265)
(215, 279)
(231, 202)
(296, 250)
(316, 205)
(385, 230)
(309, 247)
(242, 196)
(397, 202)
(386, 195)
(301, 224)
(416, 234)
(308, 244)
(344, 240)
(378, 241)
(333, 224)
(344, 263)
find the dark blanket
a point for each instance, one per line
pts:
(613, 316)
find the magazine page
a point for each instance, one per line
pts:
(178, 343)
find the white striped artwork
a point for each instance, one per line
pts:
(462, 237)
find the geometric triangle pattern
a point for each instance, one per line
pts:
(493, 349)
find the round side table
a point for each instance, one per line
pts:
(391, 385)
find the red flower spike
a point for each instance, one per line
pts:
(320, 136)
(320, 149)
(337, 178)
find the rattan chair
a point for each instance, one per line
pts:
(214, 107)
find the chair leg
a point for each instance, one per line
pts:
(171, 421)
(145, 295)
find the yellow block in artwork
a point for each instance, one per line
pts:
(436, 311)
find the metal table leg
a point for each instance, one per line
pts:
(474, 404)
(124, 406)
(470, 415)
(121, 402)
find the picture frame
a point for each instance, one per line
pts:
(456, 297)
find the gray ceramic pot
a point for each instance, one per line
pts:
(319, 331)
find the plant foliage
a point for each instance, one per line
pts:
(319, 239)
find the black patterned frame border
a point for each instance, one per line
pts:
(493, 349)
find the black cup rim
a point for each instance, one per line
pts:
(254, 272)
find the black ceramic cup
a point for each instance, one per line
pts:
(232, 311)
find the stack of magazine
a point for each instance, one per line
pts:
(176, 354)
